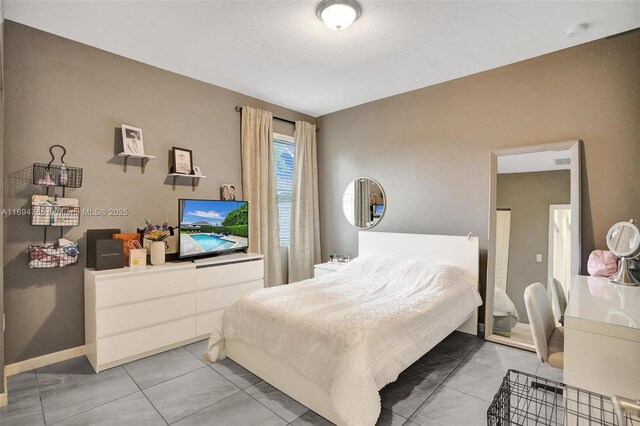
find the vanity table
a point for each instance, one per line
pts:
(602, 337)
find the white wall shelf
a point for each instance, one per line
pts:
(143, 160)
(194, 179)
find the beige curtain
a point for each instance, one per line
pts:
(259, 189)
(304, 247)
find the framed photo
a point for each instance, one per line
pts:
(182, 161)
(228, 192)
(132, 140)
(197, 171)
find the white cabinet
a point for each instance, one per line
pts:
(602, 337)
(326, 268)
(134, 313)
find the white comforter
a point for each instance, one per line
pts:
(355, 330)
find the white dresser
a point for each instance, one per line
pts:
(602, 337)
(134, 313)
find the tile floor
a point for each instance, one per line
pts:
(178, 387)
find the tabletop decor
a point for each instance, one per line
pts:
(154, 236)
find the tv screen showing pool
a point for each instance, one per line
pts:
(211, 227)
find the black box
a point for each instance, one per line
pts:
(92, 236)
(109, 254)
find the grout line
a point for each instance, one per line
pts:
(203, 408)
(424, 402)
(439, 384)
(35, 372)
(145, 395)
(196, 355)
(468, 394)
(97, 406)
(93, 408)
(164, 381)
(259, 402)
(243, 390)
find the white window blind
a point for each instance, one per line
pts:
(284, 148)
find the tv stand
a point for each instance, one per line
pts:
(134, 313)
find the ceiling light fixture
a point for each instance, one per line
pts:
(576, 30)
(338, 14)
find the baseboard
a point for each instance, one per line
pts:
(42, 361)
(4, 397)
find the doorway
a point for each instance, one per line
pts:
(560, 245)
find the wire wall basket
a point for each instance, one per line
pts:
(527, 400)
(53, 255)
(55, 215)
(57, 175)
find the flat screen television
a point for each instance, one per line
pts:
(212, 227)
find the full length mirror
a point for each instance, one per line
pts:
(363, 202)
(534, 235)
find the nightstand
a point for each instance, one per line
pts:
(326, 268)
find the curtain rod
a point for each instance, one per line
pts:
(239, 109)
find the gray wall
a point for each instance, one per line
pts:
(430, 148)
(62, 92)
(1, 201)
(528, 196)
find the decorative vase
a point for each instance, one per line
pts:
(157, 253)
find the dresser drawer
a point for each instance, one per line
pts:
(119, 290)
(223, 275)
(209, 300)
(206, 322)
(144, 314)
(138, 342)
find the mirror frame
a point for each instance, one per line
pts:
(574, 148)
(384, 211)
(632, 253)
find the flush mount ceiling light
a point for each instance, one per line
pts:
(576, 30)
(338, 14)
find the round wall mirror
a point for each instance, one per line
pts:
(364, 202)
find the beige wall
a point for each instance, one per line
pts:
(62, 92)
(528, 196)
(430, 148)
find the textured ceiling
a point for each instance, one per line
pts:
(280, 52)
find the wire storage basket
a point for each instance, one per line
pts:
(53, 255)
(54, 211)
(57, 175)
(527, 400)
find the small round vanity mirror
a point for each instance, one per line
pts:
(623, 240)
(364, 202)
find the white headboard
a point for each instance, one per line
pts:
(462, 252)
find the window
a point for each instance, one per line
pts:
(285, 149)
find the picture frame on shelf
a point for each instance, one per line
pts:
(197, 171)
(182, 161)
(228, 192)
(132, 143)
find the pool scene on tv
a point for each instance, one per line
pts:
(211, 226)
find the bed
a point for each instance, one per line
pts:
(333, 342)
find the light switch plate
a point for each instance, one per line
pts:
(539, 258)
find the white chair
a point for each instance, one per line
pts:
(558, 299)
(547, 338)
